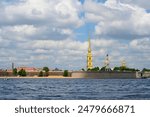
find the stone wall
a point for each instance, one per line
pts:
(58, 73)
(105, 75)
(146, 74)
(51, 73)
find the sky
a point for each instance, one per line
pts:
(54, 33)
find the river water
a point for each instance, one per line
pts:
(74, 89)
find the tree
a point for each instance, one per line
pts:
(88, 69)
(125, 69)
(41, 74)
(103, 69)
(116, 68)
(144, 70)
(15, 72)
(83, 69)
(46, 69)
(66, 73)
(22, 72)
(95, 69)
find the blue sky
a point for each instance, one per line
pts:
(39, 33)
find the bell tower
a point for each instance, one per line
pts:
(89, 56)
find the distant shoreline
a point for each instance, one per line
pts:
(35, 77)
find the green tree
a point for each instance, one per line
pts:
(46, 69)
(125, 69)
(89, 69)
(103, 69)
(15, 72)
(83, 69)
(66, 74)
(122, 68)
(41, 74)
(95, 69)
(146, 70)
(22, 72)
(116, 69)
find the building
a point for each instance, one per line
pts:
(107, 63)
(123, 63)
(27, 69)
(1, 72)
(89, 56)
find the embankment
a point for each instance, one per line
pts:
(105, 75)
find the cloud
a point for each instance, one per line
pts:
(42, 32)
(141, 44)
(118, 20)
(144, 3)
(70, 54)
(42, 11)
(40, 19)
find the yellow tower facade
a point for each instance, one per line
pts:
(89, 56)
(123, 63)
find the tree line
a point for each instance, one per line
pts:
(42, 73)
(121, 68)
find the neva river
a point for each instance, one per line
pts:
(69, 89)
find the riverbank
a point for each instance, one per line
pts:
(91, 74)
(36, 77)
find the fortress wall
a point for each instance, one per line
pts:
(51, 73)
(105, 75)
(146, 74)
(36, 73)
(58, 73)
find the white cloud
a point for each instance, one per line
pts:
(17, 32)
(40, 19)
(141, 3)
(58, 12)
(118, 20)
(141, 44)
(42, 32)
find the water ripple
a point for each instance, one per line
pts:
(55, 89)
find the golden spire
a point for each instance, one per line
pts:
(89, 45)
(89, 56)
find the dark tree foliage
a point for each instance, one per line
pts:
(94, 69)
(66, 73)
(41, 74)
(116, 68)
(22, 72)
(83, 69)
(145, 69)
(46, 69)
(103, 69)
(15, 73)
(125, 69)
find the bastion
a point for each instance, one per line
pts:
(106, 75)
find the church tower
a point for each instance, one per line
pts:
(107, 62)
(89, 56)
(123, 63)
